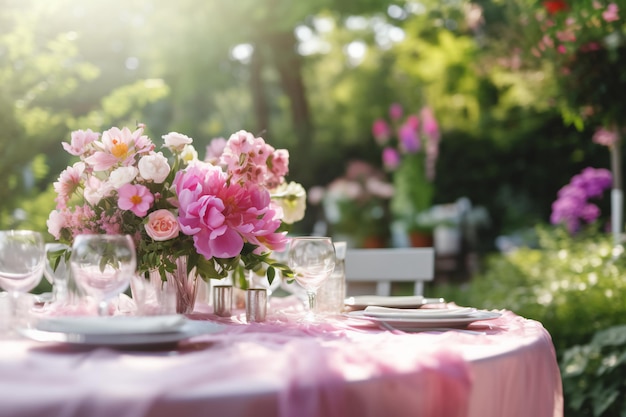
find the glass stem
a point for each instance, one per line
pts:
(311, 295)
(103, 308)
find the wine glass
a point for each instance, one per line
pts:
(102, 266)
(57, 270)
(22, 258)
(312, 260)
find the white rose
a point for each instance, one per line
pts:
(154, 167)
(292, 199)
(122, 176)
(176, 141)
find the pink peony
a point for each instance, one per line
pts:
(136, 198)
(162, 225)
(221, 216)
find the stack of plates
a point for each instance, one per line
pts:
(424, 318)
(117, 330)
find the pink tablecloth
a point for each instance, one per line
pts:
(280, 368)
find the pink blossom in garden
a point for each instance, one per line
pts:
(214, 150)
(79, 141)
(68, 183)
(430, 126)
(605, 137)
(611, 14)
(136, 198)
(409, 138)
(221, 216)
(391, 158)
(395, 111)
(315, 195)
(381, 131)
(413, 121)
(162, 225)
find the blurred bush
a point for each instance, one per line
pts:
(575, 286)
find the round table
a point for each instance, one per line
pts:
(343, 367)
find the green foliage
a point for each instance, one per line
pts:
(593, 374)
(575, 286)
(571, 284)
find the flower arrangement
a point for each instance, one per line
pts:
(410, 148)
(573, 205)
(222, 213)
(586, 42)
(356, 204)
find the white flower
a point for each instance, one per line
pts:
(122, 176)
(176, 141)
(96, 190)
(292, 199)
(154, 167)
(189, 154)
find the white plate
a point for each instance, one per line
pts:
(412, 313)
(97, 325)
(190, 329)
(411, 301)
(426, 322)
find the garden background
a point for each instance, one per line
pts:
(312, 77)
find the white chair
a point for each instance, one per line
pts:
(381, 267)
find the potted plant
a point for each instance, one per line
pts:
(356, 205)
(410, 147)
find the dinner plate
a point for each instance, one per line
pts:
(409, 301)
(412, 313)
(190, 328)
(427, 322)
(112, 324)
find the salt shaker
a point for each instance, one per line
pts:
(331, 295)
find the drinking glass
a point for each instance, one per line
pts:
(312, 260)
(22, 258)
(102, 266)
(57, 270)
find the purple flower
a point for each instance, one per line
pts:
(409, 138)
(572, 204)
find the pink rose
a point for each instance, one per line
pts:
(162, 225)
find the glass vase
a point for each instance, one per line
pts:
(185, 285)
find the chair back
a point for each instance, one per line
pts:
(381, 267)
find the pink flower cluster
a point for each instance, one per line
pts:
(415, 134)
(122, 185)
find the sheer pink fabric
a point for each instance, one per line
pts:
(282, 368)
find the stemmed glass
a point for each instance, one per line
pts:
(57, 271)
(312, 260)
(102, 266)
(22, 258)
